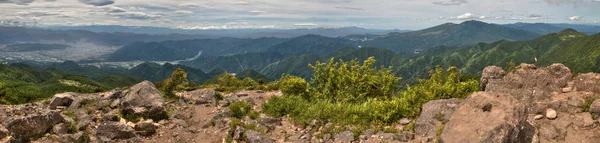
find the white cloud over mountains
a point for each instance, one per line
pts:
(203, 14)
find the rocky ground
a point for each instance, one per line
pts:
(528, 104)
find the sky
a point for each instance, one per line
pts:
(287, 14)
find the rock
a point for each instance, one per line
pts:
(256, 137)
(115, 103)
(144, 100)
(60, 129)
(487, 107)
(241, 94)
(181, 123)
(506, 123)
(345, 136)
(76, 103)
(530, 84)
(405, 136)
(270, 121)
(238, 133)
(200, 96)
(114, 130)
(574, 101)
(3, 132)
(537, 117)
(405, 121)
(110, 118)
(550, 113)
(62, 99)
(145, 129)
(490, 72)
(567, 89)
(179, 115)
(584, 121)
(595, 107)
(79, 138)
(427, 124)
(34, 125)
(587, 82)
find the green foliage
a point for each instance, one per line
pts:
(293, 85)
(169, 85)
(441, 85)
(228, 83)
(586, 105)
(352, 82)
(240, 109)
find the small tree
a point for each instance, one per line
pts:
(178, 77)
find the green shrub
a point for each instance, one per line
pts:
(240, 109)
(293, 85)
(352, 82)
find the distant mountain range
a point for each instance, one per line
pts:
(237, 33)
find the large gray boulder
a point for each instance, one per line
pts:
(143, 100)
(62, 99)
(489, 117)
(145, 129)
(34, 125)
(114, 130)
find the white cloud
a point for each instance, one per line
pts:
(137, 15)
(184, 12)
(575, 18)
(209, 27)
(114, 9)
(465, 16)
(98, 2)
(482, 17)
(450, 2)
(306, 24)
(258, 12)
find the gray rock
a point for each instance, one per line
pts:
(270, 121)
(587, 82)
(256, 137)
(345, 136)
(238, 133)
(537, 117)
(114, 130)
(405, 136)
(115, 103)
(145, 129)
(75, 104)
(79, 138)
(144, 100)
(62, 99)
(34, 125)
(60, 129)
(110, 118)
(405, 121)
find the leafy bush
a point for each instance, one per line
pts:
(352, 82)
(177, 81)
(240, 109)
(293, 85)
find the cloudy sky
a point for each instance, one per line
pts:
(226, 14)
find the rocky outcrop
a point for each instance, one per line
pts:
(504, 122)
(34, 125)
(143, 100)
(529, 104)
(200, 96)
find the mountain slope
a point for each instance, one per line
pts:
(155, 72)
(449, 34)
(311, 44)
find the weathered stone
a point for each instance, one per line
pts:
(529, 84)
(550, 113)
(506, 122)
(241, 94)
(110, 118)
(144, 100)
(405, 136)
(60, 129)
(537, 117)
(595, 107)
(490, 72)
(75, 104)
(200, 96)
(114, 130)
(181, 123)
(238, 133)
(585, 121)
(345, 136)
(79, 138)
(405, 121)
(115, 103)
(270, 121)
(33, 126)
(256, 137)
(145, 129)
(587, 82)
(62, 99)
(428, 123)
